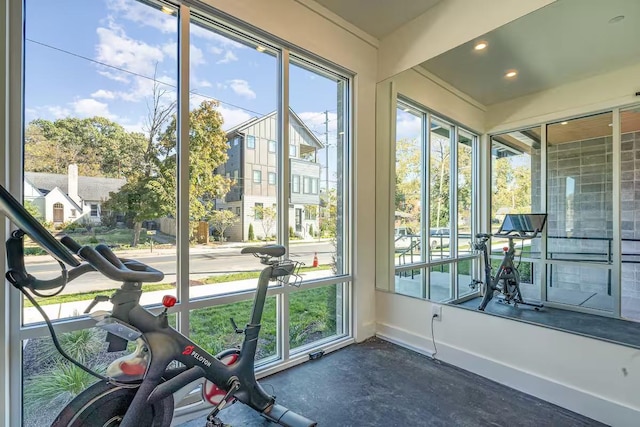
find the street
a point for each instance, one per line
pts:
(204, 262)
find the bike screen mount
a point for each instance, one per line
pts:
(30, 226)
(523, 226)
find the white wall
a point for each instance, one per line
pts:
(305, 27)
(448, 24)
(604, 91)
(588, 376)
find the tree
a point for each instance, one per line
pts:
(207, 150)
(99, 146)
(33, 210)
(267, 216)
(440, 181)
(409, 181)
(221, 220)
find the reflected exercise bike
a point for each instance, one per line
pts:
(506, 281)
(141, 389)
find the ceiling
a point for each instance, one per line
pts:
(378, 17)
(565, 41)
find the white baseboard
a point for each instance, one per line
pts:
(566, 396)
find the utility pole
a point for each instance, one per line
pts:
(327, 208)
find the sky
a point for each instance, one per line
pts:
(100, 57)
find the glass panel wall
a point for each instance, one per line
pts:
(95, 167)
(446, 190)
(409, 192)
(234, 133)
(317, 158)
(516, 187)
(630, 212)
(441, 144)
(580, 210)
(102, 153)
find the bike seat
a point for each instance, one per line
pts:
(275, 251)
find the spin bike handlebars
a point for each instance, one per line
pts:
(100, 259)
(106, 262)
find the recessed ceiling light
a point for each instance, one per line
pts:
(511, 74)
(480, 45)
(610, 124)
(616, 19)
(167, 10)
(563, 123)
(406, 110)
(260, 48)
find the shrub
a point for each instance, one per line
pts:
(252, 235)
(311, 233)
(291, 233)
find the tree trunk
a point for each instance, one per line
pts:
(137, 228)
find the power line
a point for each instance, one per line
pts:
(259, 114)
(139, 75)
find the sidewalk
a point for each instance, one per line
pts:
(76, 308)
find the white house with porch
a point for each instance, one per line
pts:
(69, 198)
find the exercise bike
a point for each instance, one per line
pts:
(141, 389)
(507, 278)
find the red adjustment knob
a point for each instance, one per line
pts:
(505, 249)
(169, 301)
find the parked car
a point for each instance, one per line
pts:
(439, 237)
(404, 238)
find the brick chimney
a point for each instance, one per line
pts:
(72, 185)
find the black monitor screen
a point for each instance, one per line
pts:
(27, 223)
(523, 223)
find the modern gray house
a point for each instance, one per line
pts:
(252, 165)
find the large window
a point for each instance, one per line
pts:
(107, 136)
(446, 191)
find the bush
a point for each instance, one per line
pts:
(311, 233)
(252, 235)
(291, 233)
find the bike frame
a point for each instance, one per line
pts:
(166, 344)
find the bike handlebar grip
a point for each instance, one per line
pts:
(71, 244)
(118, 272)
(106, 252)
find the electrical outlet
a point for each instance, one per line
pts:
(436, 310)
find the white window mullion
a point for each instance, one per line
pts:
(182, 174)
(284, 195)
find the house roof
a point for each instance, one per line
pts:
(292, 114)
(89, 187)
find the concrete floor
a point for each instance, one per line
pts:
(376, 383)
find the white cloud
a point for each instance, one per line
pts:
(315, 120)
(241, 88)
(104, 94)
(58, 112)
(118, 50)
(218, 39)
(144, 15)
(196, 56)
(229, 56)
(408, 126)
(232, 116)
(215, 50)
(88, 107)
